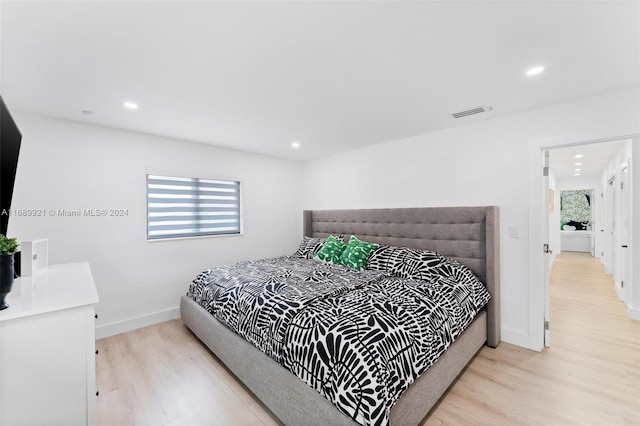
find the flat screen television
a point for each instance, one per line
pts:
(10, 140)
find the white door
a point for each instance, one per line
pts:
(609, 248)
(625, 232)
(547, 256)
(598, 224)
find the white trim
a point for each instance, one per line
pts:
(118, 327)
(619, 292)
(634, 313)
(535, 333)
(195, 237)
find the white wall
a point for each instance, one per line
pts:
(580, 182)
(65, 165)
(485, 163)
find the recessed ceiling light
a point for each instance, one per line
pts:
(130, 105)
(295, 144)
(577, 156)
(577, 164)
(535, 70)
(576, 174)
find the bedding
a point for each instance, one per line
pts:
(358, 337)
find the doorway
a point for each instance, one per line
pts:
(611, 249)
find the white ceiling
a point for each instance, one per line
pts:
(593, 161)
(333, 75)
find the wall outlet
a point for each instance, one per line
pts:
(514, 232)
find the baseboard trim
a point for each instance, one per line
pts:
(634, 313)
(114, 328)
(619, 292)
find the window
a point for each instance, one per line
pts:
(180, 207)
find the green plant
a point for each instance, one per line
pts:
(8, 246)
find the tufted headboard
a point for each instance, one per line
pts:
(467, 234)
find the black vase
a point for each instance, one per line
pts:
(6, 278)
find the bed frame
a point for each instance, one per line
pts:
(468, 234)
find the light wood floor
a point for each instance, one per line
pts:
(162, 375)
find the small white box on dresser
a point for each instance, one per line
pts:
(34, 256)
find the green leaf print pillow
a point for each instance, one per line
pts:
(331, 250)
(357, 253)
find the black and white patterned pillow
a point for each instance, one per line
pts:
(310, 246)
(472, 291)
(416, 264)
(405, 262)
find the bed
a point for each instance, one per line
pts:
(470, 235)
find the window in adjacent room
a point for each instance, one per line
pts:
(179, 207)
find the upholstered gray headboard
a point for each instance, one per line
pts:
(467, 234)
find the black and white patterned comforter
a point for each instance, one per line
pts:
(360, 338)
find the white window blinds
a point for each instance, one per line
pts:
(180, 207)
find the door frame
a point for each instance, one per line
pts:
(623, 242)
(538, 233)
(546, 263)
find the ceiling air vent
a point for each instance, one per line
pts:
(471, 111)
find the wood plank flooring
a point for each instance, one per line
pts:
(589, 375)
(162, 375)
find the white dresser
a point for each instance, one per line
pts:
(47, 349)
